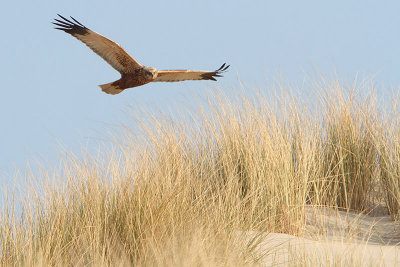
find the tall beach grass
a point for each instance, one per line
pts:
(182, 190)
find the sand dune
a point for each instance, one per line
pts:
(335, 238)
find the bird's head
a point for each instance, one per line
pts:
(150, 73)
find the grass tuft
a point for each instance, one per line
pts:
(184, 190)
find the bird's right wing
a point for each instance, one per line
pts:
(110, 51)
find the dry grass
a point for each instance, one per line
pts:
(176, 191)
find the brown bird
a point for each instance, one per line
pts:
(132, 73)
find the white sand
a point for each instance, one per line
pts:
(334, 238)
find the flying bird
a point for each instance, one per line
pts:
(132, 73)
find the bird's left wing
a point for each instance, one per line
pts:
(110, 51)
(183, 75)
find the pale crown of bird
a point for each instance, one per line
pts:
(150, 72)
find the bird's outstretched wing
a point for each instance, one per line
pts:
(182, 75)
(110, 51)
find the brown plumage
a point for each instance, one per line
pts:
(132, 73)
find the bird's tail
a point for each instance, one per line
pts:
(111, 88)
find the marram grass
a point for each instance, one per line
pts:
(182, 191)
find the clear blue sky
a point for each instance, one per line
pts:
(49, 79)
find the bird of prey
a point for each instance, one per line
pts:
(132, 73)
